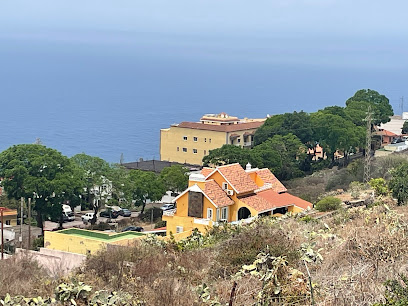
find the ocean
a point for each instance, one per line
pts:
(106, 100)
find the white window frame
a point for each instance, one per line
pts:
(185, 150)
(224, 213)
(195, 151)
(209, 213)
(185, 138)
(224, 186)
(195, 139)
(179, 229)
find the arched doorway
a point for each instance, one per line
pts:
(243, 213)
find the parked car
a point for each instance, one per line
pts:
(112, 214)
(125, 212)
(87, 217)
(167, 206)
(133, 229)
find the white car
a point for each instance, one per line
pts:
(167, 207)
(87, 217)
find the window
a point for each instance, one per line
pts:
(239, 140)
(178, 149)
(224, 186)
(184, 149)
(209, 213)
(179, 229)
(185, 137)
(205, 152)
(7, 222)
(195, 138)
(209, 140)
(224, 213)
(205, 139)
(195, 151)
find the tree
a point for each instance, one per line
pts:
(336, 133)
(227, 154)
(143, 186)
(94, 172)
(296, 123)
(283, 155)
(175, 178)
(41, 173)
(357, 106)
(405, 128)
(399, 183)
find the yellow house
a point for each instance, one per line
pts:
(189, 142)
(87, 242)
(229, 194)
(9, 216)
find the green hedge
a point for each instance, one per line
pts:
(328, 204)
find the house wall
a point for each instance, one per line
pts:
(294, 209)
(182, 207)
(186, 222)
(10, 217)
(172, 138)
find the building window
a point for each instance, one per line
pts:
(205, 139)
(239, 140)
(185, 137)
(184, 149)
(178, 149)
(224, 213)
(209, 213)
(209, 139)
(7, 222)
(205, 152)
(195, 138)
(224, 186)
(179, 229)
(195, 151)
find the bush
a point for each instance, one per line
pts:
(147, 214)
(160, 223)
(328, 204)
(38, 243)
(379, 185)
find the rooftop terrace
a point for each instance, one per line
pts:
(104, 237)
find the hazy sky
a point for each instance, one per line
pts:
(316, 32)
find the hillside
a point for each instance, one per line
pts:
(350, 254)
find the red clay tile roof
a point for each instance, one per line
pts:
(206, 171)
(221, 128)
(258, 203)
(216, 194)
(269, 178)
(385, 133)
(238, 178)
(283, 199)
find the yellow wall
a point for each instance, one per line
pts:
(80, 245)
(186, 222)
(10, 217)
(172, 138)
(182, 207)
(294, 209)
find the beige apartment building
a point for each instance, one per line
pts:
(189, 142)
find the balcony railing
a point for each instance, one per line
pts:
(169, 212)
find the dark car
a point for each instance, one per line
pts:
(133, 229)
(125, 212)
(109, 214)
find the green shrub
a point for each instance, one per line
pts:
(379, 185)
(328, 204)
(160, 223)
(38, 243)
(147, 214)
(396, 292)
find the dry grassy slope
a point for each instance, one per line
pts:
(361, 248)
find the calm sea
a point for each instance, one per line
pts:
(105, 101)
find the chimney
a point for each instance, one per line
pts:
(248, 166)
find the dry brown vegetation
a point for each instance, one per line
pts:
(361, 249)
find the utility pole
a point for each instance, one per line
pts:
(29, 223)
(367, 159)
(21, 222)
(2, 233)
(402, 104)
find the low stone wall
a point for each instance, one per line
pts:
(56, 262)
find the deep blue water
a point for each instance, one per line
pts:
(106, 100)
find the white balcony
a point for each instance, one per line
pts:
(169, 212)
(202, 221)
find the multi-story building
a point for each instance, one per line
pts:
(189, 142)
(229, 194)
